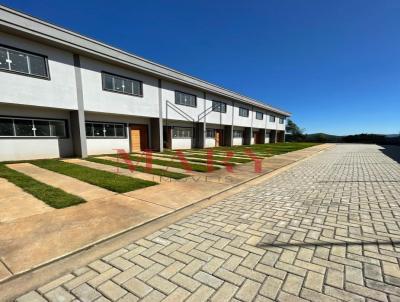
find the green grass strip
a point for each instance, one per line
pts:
(215, 157)
(159, 172)
(52, 196)
(107, 180)
(173, 164)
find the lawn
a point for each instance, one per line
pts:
(172, 164)
(159, 172)
(107, 180)
(269, 149)
(52, 196)
(203, 157)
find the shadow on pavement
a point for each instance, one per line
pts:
(391, 151)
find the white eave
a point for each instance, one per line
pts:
(15, 22)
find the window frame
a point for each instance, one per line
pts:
(27, 52)
(246, 109)
(103, 73)
(262, 115)
(213, 132)
(237, 131)
(218, 108)
(104, 136)
(12, 117)
(182, 137)
(272, 117)
(281, 120)
(191, 94)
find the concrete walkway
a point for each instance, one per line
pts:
(326, 229)
(68, 184)
(51, 235)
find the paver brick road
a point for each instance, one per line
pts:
(327, 229)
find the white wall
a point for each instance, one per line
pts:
(240, 120)
(210, 142)
(168, 93)
(99, 100)
(58, 92)
(107, 145)
(34, 148)
(237, 141)
(217, 117)
(181, 143)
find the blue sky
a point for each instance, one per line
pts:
(335, 64)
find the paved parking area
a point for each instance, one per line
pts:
(327, 229)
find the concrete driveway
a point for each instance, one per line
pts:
(327, 229)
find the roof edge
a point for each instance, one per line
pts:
(18, 21)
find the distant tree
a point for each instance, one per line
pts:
(294, 131)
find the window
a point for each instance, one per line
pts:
(281, 120)
(237, 133)
(219, 106)
(32, 127)
(105, 130)
(123, 85)
(259, 115)
(272, 118)
(179, 132)
(243, 112)
(185, 99)
(210, 133)
(23, 62)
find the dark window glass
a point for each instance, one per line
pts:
(3, 59)
(19, 61)
(218, 106)
(272, 119)
(210, 133)
(237, 133)
(244, 112)
(108, 82)
(119, 130)
(281, 120)
(89, 129)
(137, 88)
(259, 115)
(185, 99)
(109, 130)
(122, 85)
(38, 66)
(128, 87)
(57, 128)
(118, 85)
(42, 128)
(6, 127)
(23, 127)
(98, 129)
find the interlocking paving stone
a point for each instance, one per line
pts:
(326, 229)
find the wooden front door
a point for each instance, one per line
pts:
(139, 139)
(257, 137)
(218, 138)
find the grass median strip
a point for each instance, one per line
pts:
(173, 164)
(158, 172)
(203, 158)
(52, 196)
(107, 180)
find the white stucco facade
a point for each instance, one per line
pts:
(74, 92)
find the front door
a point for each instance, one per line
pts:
(139, 140)
(218, 138)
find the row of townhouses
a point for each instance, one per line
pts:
(63, 94)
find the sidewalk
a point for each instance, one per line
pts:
(32, 241)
